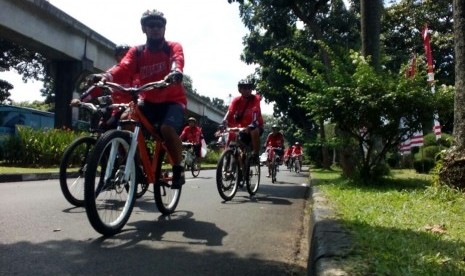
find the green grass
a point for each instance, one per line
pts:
(390, 221)
(7, 170)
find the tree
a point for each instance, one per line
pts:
(370, 29)
(401, 29)
(5, 94)
(453, 168)
(29, 64)
(273, 25)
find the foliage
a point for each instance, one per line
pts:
(36, 148)
(359, 98)
(423, 165)
(29, 64)
(5, 94)
(35, 105)
(402, 26)
(399, 225)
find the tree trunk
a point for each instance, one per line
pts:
(371, 29)
(452, 172)
(324, 149)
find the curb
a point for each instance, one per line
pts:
(16, 177)
(330, 243)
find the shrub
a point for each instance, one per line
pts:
(423, 165)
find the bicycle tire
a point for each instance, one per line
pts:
(109, 200)
(72, 183)
(195, 167)
(227, 175)
(297, 166)
(273, 170)
(252, 177)
(166, 199)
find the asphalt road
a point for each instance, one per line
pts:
(42, 234)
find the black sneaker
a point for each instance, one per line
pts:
(178, 177)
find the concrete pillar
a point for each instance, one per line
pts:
(66, 75)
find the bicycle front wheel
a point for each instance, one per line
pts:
(195, 167)
(109, 194)
(73, 167)
(252, 176)
(273, 170)
(227, 175)
(166, 199)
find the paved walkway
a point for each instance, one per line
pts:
(329, 241)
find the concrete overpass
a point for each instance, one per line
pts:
(74, 50)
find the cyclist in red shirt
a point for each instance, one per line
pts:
(274, 140)
(244, 111)
(287, 155)
(110, 118)
(193, 134)
(158, 59)
(297, 151)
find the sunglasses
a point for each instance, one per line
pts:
(246, 86)
(155, 24)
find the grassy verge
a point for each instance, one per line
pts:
(401, 225)
(7, 170)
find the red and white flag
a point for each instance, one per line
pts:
(437, 129)
(428, 53)
(417, 139)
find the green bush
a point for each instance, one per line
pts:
(36, 148)
(423, 165)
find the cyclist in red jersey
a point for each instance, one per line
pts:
(193, 134)
(110, 117)
(158, 59)
(297, 151)
(244, 111)
(274, 140)
(287, 155)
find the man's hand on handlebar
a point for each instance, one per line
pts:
(174, 77)
(75, 103)
(94, 78)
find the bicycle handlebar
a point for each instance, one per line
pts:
(134, 90)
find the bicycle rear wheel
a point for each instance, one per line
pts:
(252, 177)
(108, 197)
(166, 199)
(227, 175)
(73, 167)
(195, 167)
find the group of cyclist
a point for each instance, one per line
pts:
(160, 59)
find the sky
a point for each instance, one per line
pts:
(210, 32)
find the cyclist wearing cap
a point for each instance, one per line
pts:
(274, 140)
(193, 134)
(244, 111)
(158, 59)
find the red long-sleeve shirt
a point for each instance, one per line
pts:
(275, 140)
(245, 108)
(151, 66)
(191, 134)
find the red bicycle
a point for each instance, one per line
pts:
(111, 178)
